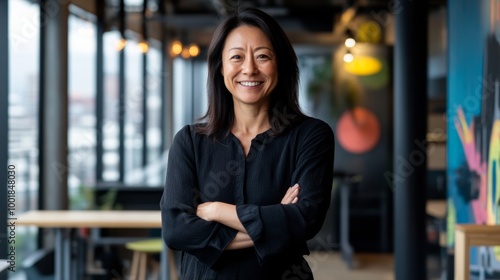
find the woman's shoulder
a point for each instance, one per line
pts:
(312, 129)
(191, 132)
(184, 132)
(310, 124)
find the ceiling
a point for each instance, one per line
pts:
(303, 20)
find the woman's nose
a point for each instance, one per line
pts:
(249, 67)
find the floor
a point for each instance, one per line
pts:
(330, 266)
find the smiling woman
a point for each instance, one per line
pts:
(250, 183)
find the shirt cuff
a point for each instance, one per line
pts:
(210, 255)
(249, 216)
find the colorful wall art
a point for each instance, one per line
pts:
(474, 124)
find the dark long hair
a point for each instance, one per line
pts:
(284, 109)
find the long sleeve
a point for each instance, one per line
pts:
(181, 228)
(274, 228)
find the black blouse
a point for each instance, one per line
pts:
(201, 169)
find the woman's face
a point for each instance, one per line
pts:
(249, 65)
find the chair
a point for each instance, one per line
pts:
(141, 250)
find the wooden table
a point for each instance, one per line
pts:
(467, 236)
(65, 220)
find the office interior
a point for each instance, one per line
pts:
(93, 92)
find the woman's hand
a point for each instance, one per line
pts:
(220, 212)
(207, 211)
(241, 241)
(291, 195)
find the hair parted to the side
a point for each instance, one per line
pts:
(284, 108)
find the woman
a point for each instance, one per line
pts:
(250, 184)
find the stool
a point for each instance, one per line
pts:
(139, 260)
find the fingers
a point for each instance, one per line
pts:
(291, 195)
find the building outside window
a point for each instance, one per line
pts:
(153, 102)
(134, 94)
(81, 102)
(110, 131)
(24, 58)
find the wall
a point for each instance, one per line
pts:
(355, 98)
(473, 118)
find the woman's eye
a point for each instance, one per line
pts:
(263, 56)
(235, 57)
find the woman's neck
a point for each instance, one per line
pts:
(250, 120)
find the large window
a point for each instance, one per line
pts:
(134, 94)
(200, 74)
(81, 101)
(190, 97)
(110, 131)
(24, 54)
(153, 102)
(183, 98)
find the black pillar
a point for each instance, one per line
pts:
(4, 125)
(53, 128)
(166, 119)
(410, 128)
(121, 96)
(100, 14)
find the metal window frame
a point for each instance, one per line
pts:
(4, 125)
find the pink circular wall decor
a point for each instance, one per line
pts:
(358, 130)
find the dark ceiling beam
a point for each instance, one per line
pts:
(199, 19)
(185, 21)
(299, 5)
(86, 5)
(200, 28)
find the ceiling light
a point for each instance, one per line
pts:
(120, 45)
(176, 48)
(350, 42)
(185, 53)
(143, 46)
(348, 57)
(363, 65)
(194, 50)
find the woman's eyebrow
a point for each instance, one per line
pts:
(258, 48)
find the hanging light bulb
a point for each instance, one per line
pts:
(176, 48)
(185, 53)
(350, 42)
(348, 57)
(143, 46)
(194, 50)
(121, 44)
